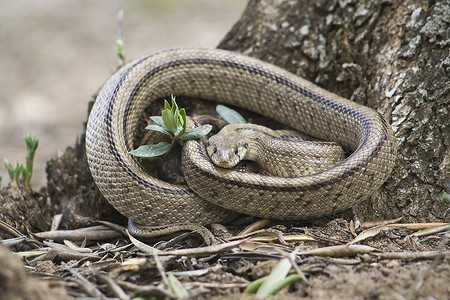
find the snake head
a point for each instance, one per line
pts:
(226, 156)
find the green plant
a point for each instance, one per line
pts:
(120, 46)
(171, 123)
(445, 195)
(19, 171)
(13, 171)
(277, 279)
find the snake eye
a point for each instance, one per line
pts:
(236, 151)
(215, 150)
(212, 145)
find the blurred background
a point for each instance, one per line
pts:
(55, 54)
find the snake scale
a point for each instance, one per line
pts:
(215, 194)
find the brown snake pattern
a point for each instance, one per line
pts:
(213, 192)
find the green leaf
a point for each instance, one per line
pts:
(19, 169)
(174, 104)
(183, 118)
(167, 105)
(230, 115)
(173, 117)
(444, 196)
(13, 171)
(272, 282)
(158, 120)
(179, 130)
(120, 48)
(169, 120)
(10, 168)
(275, 287)
(196, 133)
(177, 118)
(32, 144)
(158, 129)
(177, 288)
(254, 285)
(150, 151)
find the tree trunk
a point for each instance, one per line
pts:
(390, 55)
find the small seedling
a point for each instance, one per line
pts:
(13, 171)
(32, 144)
(171, 123)
(120, 46)
(445, 195)
(18, 171)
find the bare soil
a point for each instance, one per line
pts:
(223, 275)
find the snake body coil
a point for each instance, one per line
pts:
(279, 153)
(234, 79)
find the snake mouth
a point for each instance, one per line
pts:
(225, 158)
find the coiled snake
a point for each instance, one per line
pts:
(215, 193)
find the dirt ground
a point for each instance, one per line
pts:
(52, 49)
(114, 268)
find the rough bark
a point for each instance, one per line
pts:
(390, 55)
